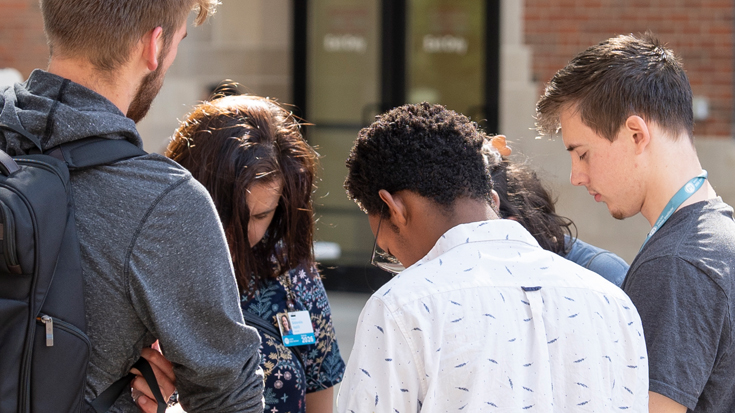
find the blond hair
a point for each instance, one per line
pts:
(105, 31)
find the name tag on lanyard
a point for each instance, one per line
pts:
(296, 328)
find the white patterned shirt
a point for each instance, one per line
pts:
(489, 321)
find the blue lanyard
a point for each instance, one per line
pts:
(675, 202)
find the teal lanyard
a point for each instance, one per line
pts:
(675, 202)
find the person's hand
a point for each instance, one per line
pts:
(162, 368)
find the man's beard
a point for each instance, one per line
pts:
(618, 214)
(147, 91)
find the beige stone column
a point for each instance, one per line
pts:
(247, 41)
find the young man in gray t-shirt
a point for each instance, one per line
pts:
(625, 111)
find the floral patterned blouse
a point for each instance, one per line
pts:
(286, 381)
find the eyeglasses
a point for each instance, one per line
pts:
(382, 259)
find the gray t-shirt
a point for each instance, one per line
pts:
(683, 284)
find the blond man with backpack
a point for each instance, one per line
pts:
(154, 263)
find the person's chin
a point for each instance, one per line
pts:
(617, 214)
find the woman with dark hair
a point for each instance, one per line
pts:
(248, 152)
(524, 198)
(285, 326)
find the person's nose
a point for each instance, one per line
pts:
(578, 177)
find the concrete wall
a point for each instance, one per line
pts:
(250, 42)
(246, 41)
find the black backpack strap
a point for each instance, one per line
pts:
(8, 166)
(107, 398)
(263, 325)
(86, 152)
(21, 130)
(89, 152)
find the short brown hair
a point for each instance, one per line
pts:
(620, 77)
(231, 143)
(105, 31)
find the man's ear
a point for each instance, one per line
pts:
(396, 207)
(636, 129)
(495, 205)
(152, 44)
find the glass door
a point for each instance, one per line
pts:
(354, 59)
(446, 54)
(343, 84)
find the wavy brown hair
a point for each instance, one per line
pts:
(524, 198)
(234, 142)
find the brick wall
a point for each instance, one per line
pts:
(22, 42)
(699, 31)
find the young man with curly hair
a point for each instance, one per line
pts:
(155, 263)
(625, 111)
(483, 317)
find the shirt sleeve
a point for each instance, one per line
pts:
(610, 266)
(683, 313)
(324, 364)
(382, 375)
(182, 285)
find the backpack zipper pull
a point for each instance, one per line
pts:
(49, 330)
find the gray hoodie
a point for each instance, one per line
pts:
(154, 257)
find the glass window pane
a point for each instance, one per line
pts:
(343, 76)
(343, 59)
(446, 54)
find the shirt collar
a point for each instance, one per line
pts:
(491, 230)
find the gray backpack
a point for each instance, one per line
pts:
(44, 348)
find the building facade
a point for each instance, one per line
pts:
(344, 61)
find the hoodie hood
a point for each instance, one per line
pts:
(57, 111)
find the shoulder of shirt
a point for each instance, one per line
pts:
(170, 175)
(307, 274)
(157, 164)
(163, 188)
(603, 262)
(307, 268)
(403, 288)
(682, 241)
(719, 274)
(416, 283)
(149, 172)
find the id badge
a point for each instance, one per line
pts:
(296, 329)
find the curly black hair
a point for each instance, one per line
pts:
(425, 148)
